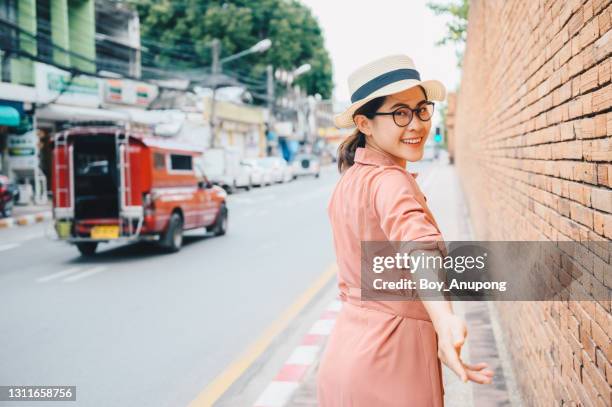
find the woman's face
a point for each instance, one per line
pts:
(384, 134)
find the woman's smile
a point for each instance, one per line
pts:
(412, 141)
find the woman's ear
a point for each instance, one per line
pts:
(363, 124)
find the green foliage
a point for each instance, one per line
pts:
(457, 27)
(178, 34)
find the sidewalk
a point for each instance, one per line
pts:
(445, 198)
(26, 215)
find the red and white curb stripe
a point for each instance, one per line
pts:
(25, 219)
(290, 376)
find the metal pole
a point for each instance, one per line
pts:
(216, 69)
(270, 95)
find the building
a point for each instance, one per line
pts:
(63, 60)
(237, 125)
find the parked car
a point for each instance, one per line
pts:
(259, 175)
(306, 164)
(222, 166)
(115, 184)
(281, 171)
(8, 195)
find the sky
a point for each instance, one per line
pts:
(359, 31)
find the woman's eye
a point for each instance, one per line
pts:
(401, 113)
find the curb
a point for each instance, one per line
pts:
(25, 220)
(291, 376)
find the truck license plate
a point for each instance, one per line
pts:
(105, 232)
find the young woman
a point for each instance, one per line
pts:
(387, 353)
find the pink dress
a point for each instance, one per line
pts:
(380, 353)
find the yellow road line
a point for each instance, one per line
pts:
(215, 389)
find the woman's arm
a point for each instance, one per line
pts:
(450, 328)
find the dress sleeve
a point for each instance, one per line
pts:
(401, 215)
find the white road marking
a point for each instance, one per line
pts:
(84, 274)
(303, 355)
(59, 274)
(8, 246)
(322, 327)
(277, 394)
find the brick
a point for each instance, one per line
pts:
(567, 150)
(589, 33)
(601, 199)
(597, 149)
(601, 339)
(585, 172)
(575, 22)
(566, 130)
(601, 49)
(585, 128)
(604, 174)
(575, 65)
(602, 224)
(602, 98)
(587, 103)
(603, 72)
(604, 21)
(581, 214)
(579, 193)
(588, 80)
(601, 123)
(575, 108)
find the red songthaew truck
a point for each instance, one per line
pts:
(116, 183)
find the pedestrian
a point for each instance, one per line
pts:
(387, 353)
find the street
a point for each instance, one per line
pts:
(132, 326)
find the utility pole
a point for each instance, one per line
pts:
(215, 69)
(270, 95)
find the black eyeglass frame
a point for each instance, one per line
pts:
(412, 112)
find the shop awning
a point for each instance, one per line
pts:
(9, 116)
(56, 112)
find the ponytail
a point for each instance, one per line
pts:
(346, 150)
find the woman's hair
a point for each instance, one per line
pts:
(346, 150)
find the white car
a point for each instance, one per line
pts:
(258, 175)
(306, 164)
(222, 167)
(281, 171)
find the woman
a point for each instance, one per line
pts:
(387, 353)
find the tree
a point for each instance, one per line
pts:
(178, 34)
(457, 27)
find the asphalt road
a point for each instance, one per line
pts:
(134, 327)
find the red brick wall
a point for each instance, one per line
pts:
(533, 147)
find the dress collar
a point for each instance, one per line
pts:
(368, 156)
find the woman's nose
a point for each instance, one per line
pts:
(416, 124)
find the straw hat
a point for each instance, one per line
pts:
(383, 77)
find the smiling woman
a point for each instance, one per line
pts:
(387, 353)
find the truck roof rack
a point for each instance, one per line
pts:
(93, 123)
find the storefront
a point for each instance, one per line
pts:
(238, 126)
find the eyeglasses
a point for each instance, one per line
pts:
(402, 116)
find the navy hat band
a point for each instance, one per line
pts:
(383, 80)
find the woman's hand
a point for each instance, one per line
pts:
(452, 332)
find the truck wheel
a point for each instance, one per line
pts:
(173, 238)
(220, 227)
(87, 248)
